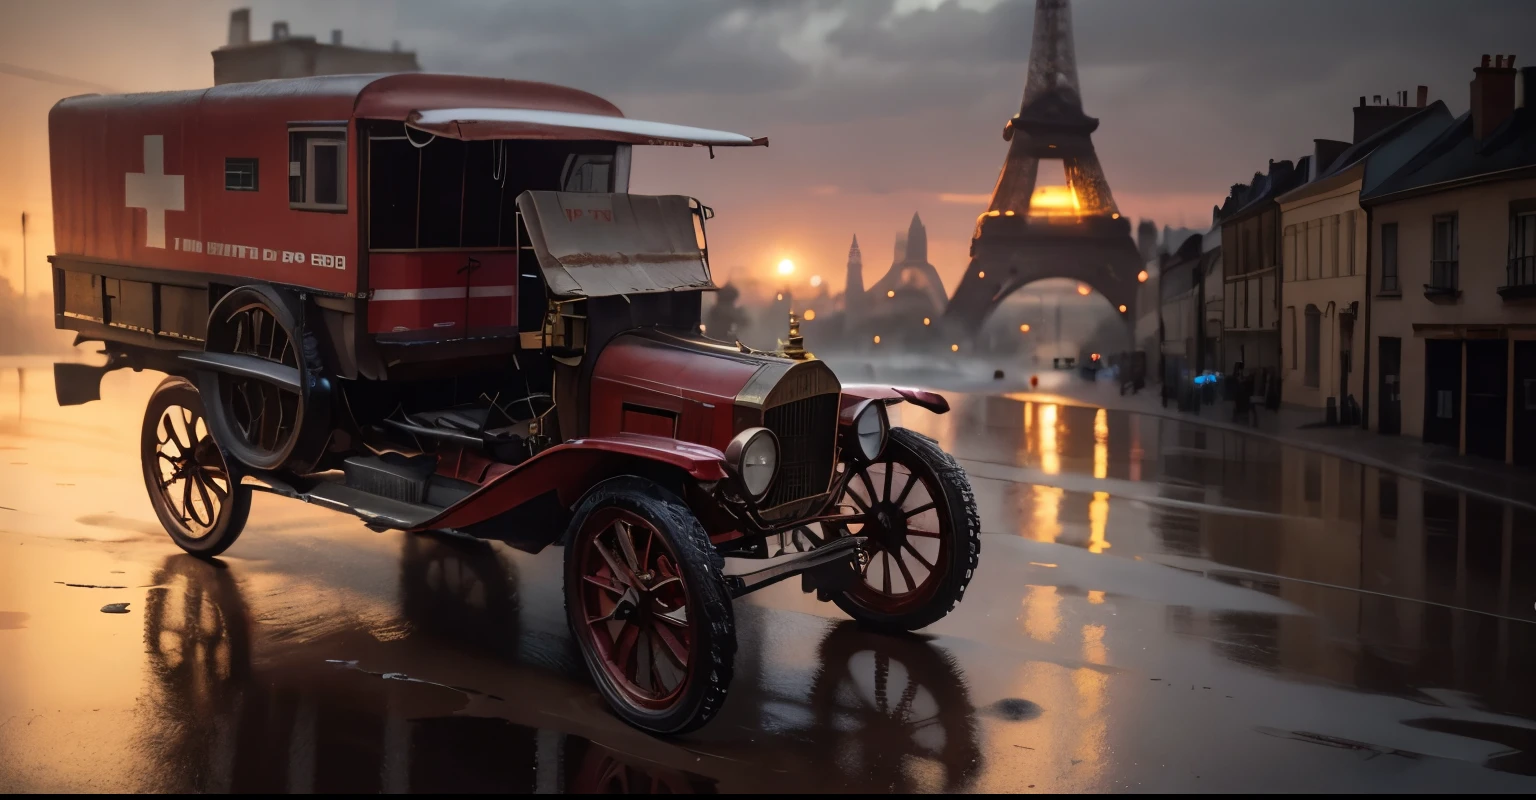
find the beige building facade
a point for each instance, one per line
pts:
(1461, 344)
(1453, 280)
(1325, 244)
(1323, 251)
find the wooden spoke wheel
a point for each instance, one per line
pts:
(648, 606)
(199, 501)
(915, 508)
(262, 423)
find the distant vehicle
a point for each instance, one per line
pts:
(430, 301)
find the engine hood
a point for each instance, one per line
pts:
(709, 390)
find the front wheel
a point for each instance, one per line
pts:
(916, 508)
(199, 501)
(648, 605)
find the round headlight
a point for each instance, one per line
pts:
(754, 455)
(870, 429)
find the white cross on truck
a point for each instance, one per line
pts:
(154, 191)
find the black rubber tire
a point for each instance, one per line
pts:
(958, 510)
(709, 603)
(233, 512)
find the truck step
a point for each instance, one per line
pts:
(376, 511)
(391, 475)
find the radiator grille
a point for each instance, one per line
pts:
(807, 431)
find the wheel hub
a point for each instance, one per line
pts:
(890, 526)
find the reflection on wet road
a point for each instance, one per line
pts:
(1159, 606)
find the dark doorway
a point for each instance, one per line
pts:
(1487, 395)
(1525, 403)
(1442, 391)
(1389, 389)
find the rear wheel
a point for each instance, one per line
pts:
(263, 424)
(199, 501)
(648, 606)
(915, 507)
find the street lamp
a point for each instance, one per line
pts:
(23, 265)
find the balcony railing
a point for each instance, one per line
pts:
(1519, 278)
(1444, 279)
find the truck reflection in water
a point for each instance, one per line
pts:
(220, 720)
(233, 708)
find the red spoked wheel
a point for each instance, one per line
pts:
(648, 606)
(915, 507)
(635, 605)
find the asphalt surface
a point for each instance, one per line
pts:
(1159, 607)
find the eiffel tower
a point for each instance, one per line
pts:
(1030, 232)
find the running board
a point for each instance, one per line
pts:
(377, 512)
(843, 549)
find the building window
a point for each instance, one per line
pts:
(1290, 253)
(1333, 246)
(1318, 257)
(1349, 240)
(1290, 322)
(1389, 258)
(1522, 249)
(1443, 257)
(240, 174)
(1445, 404)
(317, 169)
(1314, 345)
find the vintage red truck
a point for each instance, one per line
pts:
(431, 301)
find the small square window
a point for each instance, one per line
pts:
(1443, 404)
(317, 169)
(241, 175)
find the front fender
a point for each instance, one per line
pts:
(569, 470)
(856, 395)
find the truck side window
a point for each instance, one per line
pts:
(240, 175)
(317, 169)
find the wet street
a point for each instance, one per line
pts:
(1159, 607)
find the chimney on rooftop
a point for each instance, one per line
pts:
(1493, 95)
(240, 26)
(335, 36)
(279, 31)
(1423, 98)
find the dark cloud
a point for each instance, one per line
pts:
(621, 46)
(893, 102)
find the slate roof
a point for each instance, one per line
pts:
(1455, 158)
